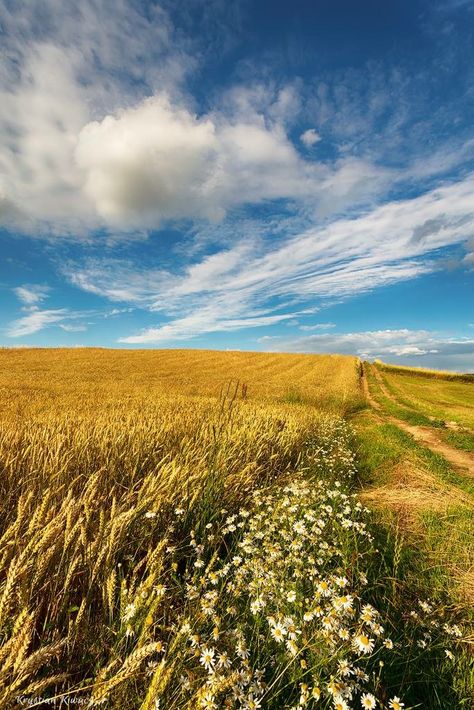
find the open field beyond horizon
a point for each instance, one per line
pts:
(187, 529)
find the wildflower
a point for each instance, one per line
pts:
(185, 628)
(291, 628)
(323, 589)
(368, 613)
(388, 643)
(223, 661)
(207, 659)
(340, 703)
(278, 632)
(344, 667)
(335, 688)
(453, 630)
(316, 693)
(256, 605)
(360, 675)
(377, 629)
(427, 608)
(327, 623)
(368, 701)
(242, 651)
(396, 704)
(292, 647)
(207, 700)
(449, 654)
(291, 596)
(151, 666)
(344, 602)
(252, 703)
(299, 527)
(363, 643)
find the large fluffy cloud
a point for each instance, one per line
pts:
(158, 161)
(64, 64)
(83, 149)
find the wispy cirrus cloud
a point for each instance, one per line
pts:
(35, 321)
(38, 318)
(31, 294)
(395, 242)
(318, 326)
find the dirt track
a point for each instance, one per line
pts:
(463, 461)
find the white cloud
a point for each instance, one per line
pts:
(318, 326)
(36, 320)
(159, 161)
(396, 242)
(30, 295)
(62, 65)
(71, 328)
(310, 137)
(83, 149)
(422, 348)
(192, 326)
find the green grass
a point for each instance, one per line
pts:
(426, 373)
(421, 414)
(424, 551)
(445, 400)
(383, 445)
(408, 415)
(460, 439)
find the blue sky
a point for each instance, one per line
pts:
(247, 175)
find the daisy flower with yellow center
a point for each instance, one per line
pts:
(207, 659)
(368, 701)
(340, 704)
(327, 622)
(278, 632)
(363, 643)
(396, 704)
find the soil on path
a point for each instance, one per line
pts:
(463, 461)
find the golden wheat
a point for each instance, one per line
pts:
(97, 448)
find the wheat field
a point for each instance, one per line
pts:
(178, 529)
